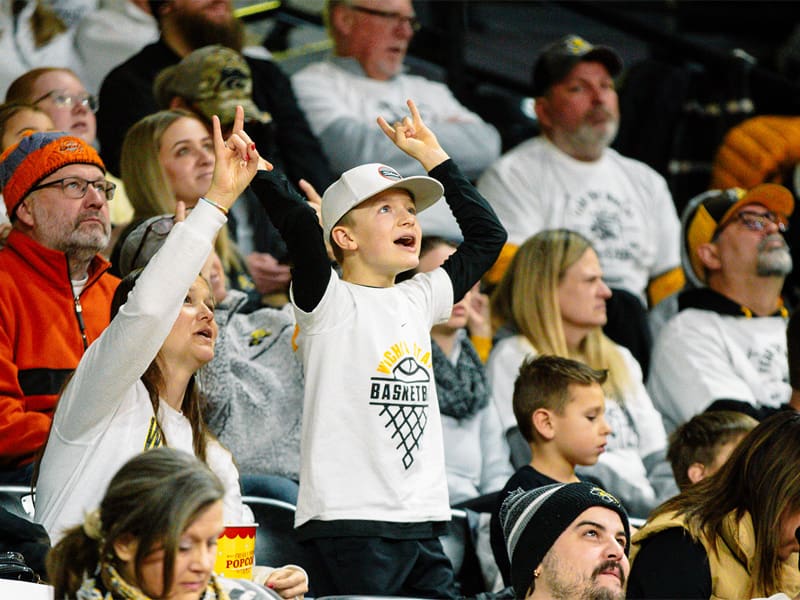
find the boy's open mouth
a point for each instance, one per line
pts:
(407, 241)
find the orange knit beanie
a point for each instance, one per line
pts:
(36, 156)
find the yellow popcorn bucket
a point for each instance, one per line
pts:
(236, 550)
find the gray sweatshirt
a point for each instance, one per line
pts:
(254, 387)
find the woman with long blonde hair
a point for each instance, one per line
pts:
(553, 299)
(168, 157)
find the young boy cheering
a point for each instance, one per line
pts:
(373, 491)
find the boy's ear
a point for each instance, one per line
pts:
(543, 423)
(696, 472)
(343, 238)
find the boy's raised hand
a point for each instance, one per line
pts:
(313, 197)
(414, 138)
(236, 162)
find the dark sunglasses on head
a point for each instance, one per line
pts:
(161, 227)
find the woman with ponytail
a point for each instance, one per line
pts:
(154, 535)
(155, 531)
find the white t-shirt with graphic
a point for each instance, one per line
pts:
(701, 356)
(371, 444)
(623, 206)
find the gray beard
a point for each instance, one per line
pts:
(773, 262)
(589, 141)
(588, 136)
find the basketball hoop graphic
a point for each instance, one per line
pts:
(403, 401)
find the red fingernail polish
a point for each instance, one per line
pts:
(270, 585)
(248, 156)
(252, 146)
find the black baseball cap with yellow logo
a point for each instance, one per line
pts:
(556, 61)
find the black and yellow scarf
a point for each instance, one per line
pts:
(111, 586)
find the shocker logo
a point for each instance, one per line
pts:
(604, 496)
(403, 401)
(577, 46)
(389, 173)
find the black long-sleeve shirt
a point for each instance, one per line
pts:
(484, 236)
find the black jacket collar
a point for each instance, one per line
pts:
(707, 299)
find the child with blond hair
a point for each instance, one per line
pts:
(373, 491)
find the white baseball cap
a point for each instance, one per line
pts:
(363, 182)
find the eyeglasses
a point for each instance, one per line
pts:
(757, 221)
(64, 100)
(76, 187)
(398, 19)
(161, 227)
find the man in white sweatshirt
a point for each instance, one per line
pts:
(363, 79)
(728, 341)
(569, 177)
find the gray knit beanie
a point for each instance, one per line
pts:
(532, 521)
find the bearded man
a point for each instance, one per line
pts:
(727, 344)
(566, 541)
(55, 292)
(568, 177)
(126, 94)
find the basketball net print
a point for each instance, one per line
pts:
(401, 395)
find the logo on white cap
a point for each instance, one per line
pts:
(389, 173)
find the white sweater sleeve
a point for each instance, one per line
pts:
(342, 106)
(119, 357)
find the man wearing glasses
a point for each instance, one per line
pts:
(55, 293)
(727, 344)
(363, 79)
(61, 94)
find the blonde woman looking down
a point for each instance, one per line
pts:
(154, 535)
(553, 300)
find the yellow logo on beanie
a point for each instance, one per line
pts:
(604, 496)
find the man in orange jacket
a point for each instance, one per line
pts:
(55, 293)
